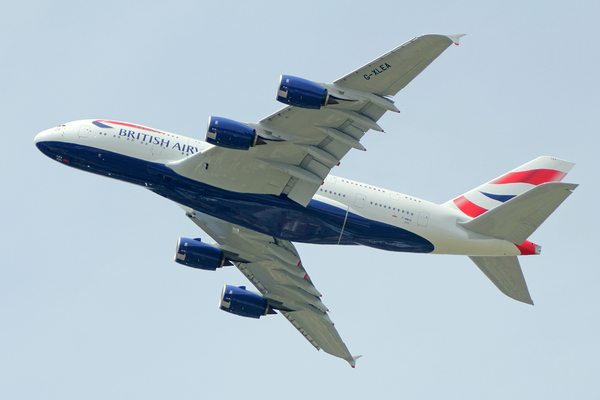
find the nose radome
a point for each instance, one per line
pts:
(42, 136)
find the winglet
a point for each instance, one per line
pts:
(353, 362)
(455, 38)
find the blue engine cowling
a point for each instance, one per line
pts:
(193, 253)
(231, 134)
(239, 301)
(301, 93)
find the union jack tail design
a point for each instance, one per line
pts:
(510, 185)
(511, 207)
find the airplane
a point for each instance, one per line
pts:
(255, 188)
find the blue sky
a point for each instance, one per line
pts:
(92, 304)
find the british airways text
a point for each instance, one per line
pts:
(144, 137)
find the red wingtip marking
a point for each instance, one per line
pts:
(338, 164)
(456, 44)
(365, 149)
(305, 276)
(299, 263)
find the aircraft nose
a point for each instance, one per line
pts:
(43, 140)
(42, 136)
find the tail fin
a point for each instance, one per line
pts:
(514, 205)
(510, 185)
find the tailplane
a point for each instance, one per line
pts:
(511, 207)
(518, 218)
(506, 274)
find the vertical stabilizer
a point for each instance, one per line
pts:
(510, 185)
(511, 207)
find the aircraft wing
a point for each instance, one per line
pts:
(274, 268)
(303, 145)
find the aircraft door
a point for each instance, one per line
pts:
(423, 218)
(84, 131)
(359, 202)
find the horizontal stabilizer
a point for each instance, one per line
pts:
(519, 217)
(506, 274)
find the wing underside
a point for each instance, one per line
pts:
(300, 148)
(274, 268)
(303, 145)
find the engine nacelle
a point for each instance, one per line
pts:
(196, 254)
(231, 134)
(239, 301)
(301, 93)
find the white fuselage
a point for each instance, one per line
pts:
(433, 222)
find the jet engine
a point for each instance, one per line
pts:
(231, 134)
(303, 93)
(239, 301)
(196, 254)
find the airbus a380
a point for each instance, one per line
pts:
(255, 188)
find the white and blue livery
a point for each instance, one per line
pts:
(256, 188)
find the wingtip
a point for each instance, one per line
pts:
(353, 362)
(456, 38)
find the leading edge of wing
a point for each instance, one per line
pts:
(274, 268)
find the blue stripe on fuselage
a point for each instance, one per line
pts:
(277, 216)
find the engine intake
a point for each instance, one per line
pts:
(196, 254)
(239, 301)
(302, 93)
(231, 134)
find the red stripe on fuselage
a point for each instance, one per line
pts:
(533, 177)
(469, 208)
(130, 125)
